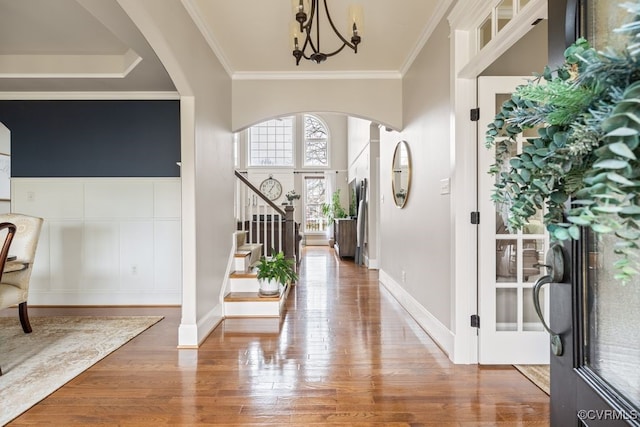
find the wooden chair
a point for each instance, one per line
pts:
(8, 296)
(14, 281)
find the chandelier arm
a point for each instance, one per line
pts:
(326, 55)
(309, 41)
(335, 52)
(335, 30)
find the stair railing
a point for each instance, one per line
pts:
(264, 221)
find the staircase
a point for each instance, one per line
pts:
(260, 223)
(242, 298)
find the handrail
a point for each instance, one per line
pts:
(259, 193)
(277, 227)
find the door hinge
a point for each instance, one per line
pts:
(474, 114)
(475, 321)
(475, 217)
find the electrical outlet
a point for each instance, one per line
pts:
(31, 196)
(404, 276)
(134, 270)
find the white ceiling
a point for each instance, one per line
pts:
(91, 45)
(252, 36)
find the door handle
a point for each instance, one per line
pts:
(554, 263)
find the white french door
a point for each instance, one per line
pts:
(510, 332)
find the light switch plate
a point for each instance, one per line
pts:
(445, 188)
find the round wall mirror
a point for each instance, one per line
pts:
(401, 174)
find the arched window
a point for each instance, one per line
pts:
(271, 143)
(316, 142)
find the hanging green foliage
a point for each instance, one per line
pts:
(583, 166)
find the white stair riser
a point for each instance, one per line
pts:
(245, 284)
(252, 309)
(242, 264)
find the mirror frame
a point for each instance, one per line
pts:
(397, 200)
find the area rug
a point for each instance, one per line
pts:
(537, 374)
(59, 349)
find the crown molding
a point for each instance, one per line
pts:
(27, 96)
(333, 75)
(438, 13)
(196, 15)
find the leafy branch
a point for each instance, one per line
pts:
(582, 168)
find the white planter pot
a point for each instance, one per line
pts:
(269, 287)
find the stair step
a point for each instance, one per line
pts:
(244, 275)
(248, 296)
(251, 304)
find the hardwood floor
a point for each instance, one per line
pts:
(346, 354)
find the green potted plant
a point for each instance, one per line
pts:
(291, 196)
(333, 210)
(583, 166)
(275, 272)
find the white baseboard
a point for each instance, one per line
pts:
(427, 321)
(87, 297)
(191, 336)
(187, 336)
(209, 322)
(371, 263)
(315, 240)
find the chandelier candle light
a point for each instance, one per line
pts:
(307, 15)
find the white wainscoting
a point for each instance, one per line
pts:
(105, 241)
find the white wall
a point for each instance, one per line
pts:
(206, 156)
(104, 240)
(364, 156)
(255, 100)
(416, 262)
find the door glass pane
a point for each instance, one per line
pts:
(613, 310)
(504, 12)
(531, 132)
(506, 260)
(535, 224)
(532, 253)
(484, 32)
(531, 322)
(506, 309)
(314, 197)
(502, 216)
(602, 18)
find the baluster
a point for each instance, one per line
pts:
(279, 234)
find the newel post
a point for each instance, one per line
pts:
(289, 233)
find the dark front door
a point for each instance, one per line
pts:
(595, 377)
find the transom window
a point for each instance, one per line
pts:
(315, 142)
(271, 143)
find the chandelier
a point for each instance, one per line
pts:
(304, 36)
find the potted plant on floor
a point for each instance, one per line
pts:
(274, 272)
(331, 211)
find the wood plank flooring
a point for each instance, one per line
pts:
(346, 354)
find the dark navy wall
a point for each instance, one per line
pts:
(93, 138)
